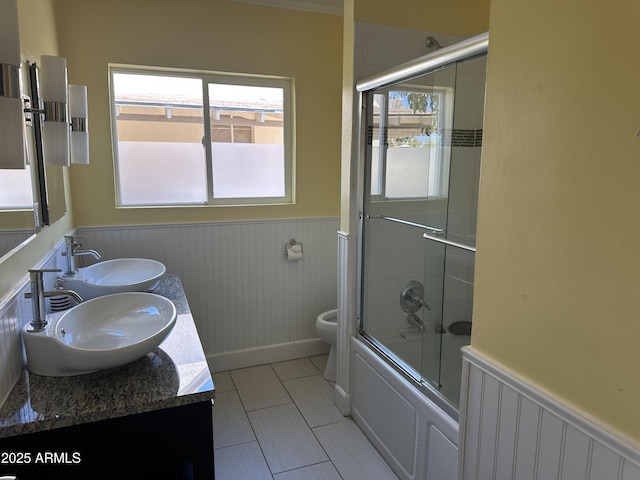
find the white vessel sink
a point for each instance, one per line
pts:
(101, 333)
(115, 276)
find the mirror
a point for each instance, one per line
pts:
(17, 227)
(17, 221)
(50, 178)
(38, 186)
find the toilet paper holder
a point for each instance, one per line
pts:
(293, 249)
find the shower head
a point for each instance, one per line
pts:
(431, 42)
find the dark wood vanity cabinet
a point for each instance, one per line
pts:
(174, 443)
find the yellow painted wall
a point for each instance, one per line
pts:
(214, 35)
(457, 17)
(558, 263)
(37, 37)
(348, 172)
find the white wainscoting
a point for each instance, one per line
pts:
(250, 304)
(12, 318)
(346, 325)
(510, 429)
(15, 312)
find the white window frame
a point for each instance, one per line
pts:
(209, 77)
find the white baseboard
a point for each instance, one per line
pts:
(342, 400)
(281, 352)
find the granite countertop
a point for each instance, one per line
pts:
(173, 374)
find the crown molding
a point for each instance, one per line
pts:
(331, 7)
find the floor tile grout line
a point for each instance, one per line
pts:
(305, 418)
(305, 421)
(317, 440)
(263, 408)
(301, 376)
(235, 445)
(250, 424)
(317, 426)
(312, 429)
(269, 406)
(310, 465)
(253, 430)
(314, 434)
(240, 396)
(255, 437)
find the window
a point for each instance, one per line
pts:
(409, 151)
(185, 138)
(15, 189)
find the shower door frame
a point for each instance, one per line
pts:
(467, 49)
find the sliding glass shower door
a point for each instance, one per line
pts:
(419, 216)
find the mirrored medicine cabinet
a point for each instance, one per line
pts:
(39, 187)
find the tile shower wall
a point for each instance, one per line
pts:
(378, 47)
(395, 254)
(243, 292)
(466, 150)
(466, 153)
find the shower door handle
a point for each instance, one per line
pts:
(444, 241)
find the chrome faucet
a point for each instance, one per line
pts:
(38, 294)
(414, 320)
(70, 251)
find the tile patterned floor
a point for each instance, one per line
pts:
(278, 422)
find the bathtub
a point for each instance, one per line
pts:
(413, 428)
(437, 355)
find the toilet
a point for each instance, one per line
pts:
(327, 328)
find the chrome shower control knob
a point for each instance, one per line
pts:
(412, 297)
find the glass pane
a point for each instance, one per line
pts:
(159, 122)
(433, 277)
(376, 141)
(410, 151)
(423, 163)
(15, 189)
(409, 185)
(247, 134)
(156, 173)
(457, 307)
(393, 257)
(466, 151)
(411, 144)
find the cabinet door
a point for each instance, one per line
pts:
(173, 443)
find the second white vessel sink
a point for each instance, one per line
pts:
(101, 333)
(115, 276)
